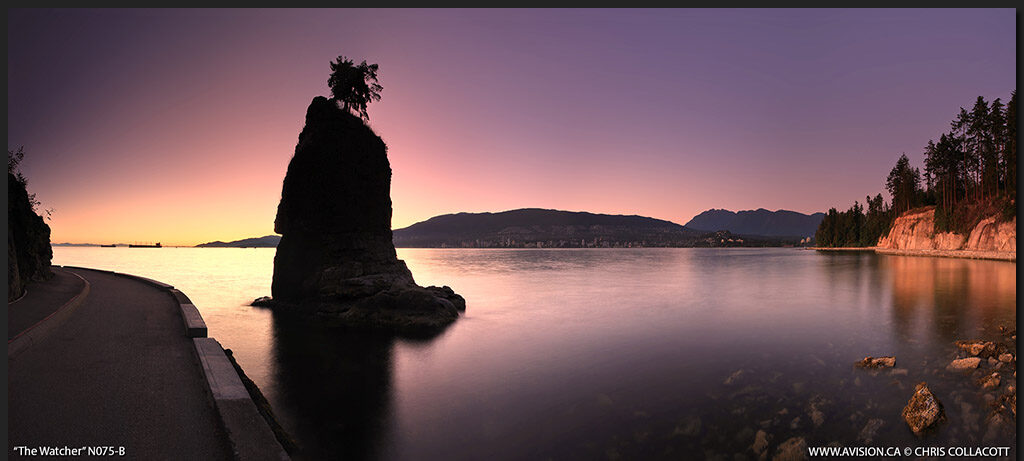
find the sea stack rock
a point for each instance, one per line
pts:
(336, 258)
(28, 240)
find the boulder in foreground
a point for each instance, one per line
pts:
(923, 410)
(965, 364)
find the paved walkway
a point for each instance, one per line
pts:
(118, 372)
(41, 300)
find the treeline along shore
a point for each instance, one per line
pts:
(962, 205)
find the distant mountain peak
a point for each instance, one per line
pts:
(778, 223)
(267, 241)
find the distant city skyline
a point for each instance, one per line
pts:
(177, 125)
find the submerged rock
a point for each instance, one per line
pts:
(733, 377)
(793, 449)
(1006, 358)
(876, 362)
(336, 260)
(966, 364)
(688, 427)
(761, 440)
(870, 430)
(923, 410)
(998, 426)
(814, 410)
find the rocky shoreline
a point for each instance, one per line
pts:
(1010, 256)
(966, 254)
(987, 364)
(974, 401)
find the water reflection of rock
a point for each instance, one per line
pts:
(334, 390)
(967, 295)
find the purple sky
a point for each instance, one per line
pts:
(177, 125)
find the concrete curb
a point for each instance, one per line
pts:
(250, 436)
(248, 433)
(44, 327)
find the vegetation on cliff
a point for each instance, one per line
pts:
(970, 174)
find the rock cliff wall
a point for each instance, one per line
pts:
(28, 241)
(916, 231)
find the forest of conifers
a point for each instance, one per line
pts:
(970, 173)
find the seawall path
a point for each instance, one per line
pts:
(115, 366)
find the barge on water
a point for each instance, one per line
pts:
(134, 245)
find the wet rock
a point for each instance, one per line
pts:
(263, 301)
(989, 382)
(1006, 358)
(761, 441)
(966, 364)
(793, 449)
(795, 423)
(923, 410)
(983, 349)
(1009, 400)
(876, 362)
(870, 430)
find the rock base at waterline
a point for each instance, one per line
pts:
(410, 311)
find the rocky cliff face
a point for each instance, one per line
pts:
(336, 255)
(28, 241)
(916, 231)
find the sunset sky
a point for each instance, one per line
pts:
(177, 125)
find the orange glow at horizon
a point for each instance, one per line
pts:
(185, 138)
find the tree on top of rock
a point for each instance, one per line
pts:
(354, 86)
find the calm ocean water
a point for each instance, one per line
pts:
(607, 353)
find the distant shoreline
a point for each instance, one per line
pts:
(962, 254)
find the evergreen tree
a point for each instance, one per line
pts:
(354, 86)
(995, 172)
(903, 184)
(1010, 145)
